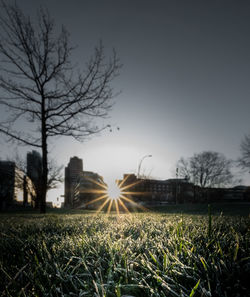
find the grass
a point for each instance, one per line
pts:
(170, 253)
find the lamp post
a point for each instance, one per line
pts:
(176, 185)
(139, 167)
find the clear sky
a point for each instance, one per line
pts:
(185, 80)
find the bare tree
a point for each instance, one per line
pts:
(206, 169)
(244, 160)
(40, 85)
(183, 168)
(55, 176)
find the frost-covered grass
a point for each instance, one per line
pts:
(142, 254)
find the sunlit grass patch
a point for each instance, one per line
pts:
(143, 254)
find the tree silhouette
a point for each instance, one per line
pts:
(244, 160)
(206, 169)
(40, 85)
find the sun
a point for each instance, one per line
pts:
(115, 195)
(113, 191)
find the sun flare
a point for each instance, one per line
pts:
(113, 191)
(115, 196)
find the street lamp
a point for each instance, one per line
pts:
(139, 167)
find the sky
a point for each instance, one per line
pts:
(184, 83)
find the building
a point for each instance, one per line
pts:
(157, 192)
(72, 174)
(235, 194)
(34, 172)
(181, 190)
(150, 192)
(34, 166)
(15, 187)
(81, 187)
(90, 187)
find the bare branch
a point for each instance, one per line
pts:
(19, 138)
(244, 160)
(207, 169)
(39, 84)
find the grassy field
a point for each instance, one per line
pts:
(175, 251)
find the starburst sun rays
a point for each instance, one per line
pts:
(116, 195)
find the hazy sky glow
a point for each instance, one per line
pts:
(185, 81)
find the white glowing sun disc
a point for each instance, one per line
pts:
(113, 191)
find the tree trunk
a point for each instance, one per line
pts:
(44, 177)
(44, 180)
